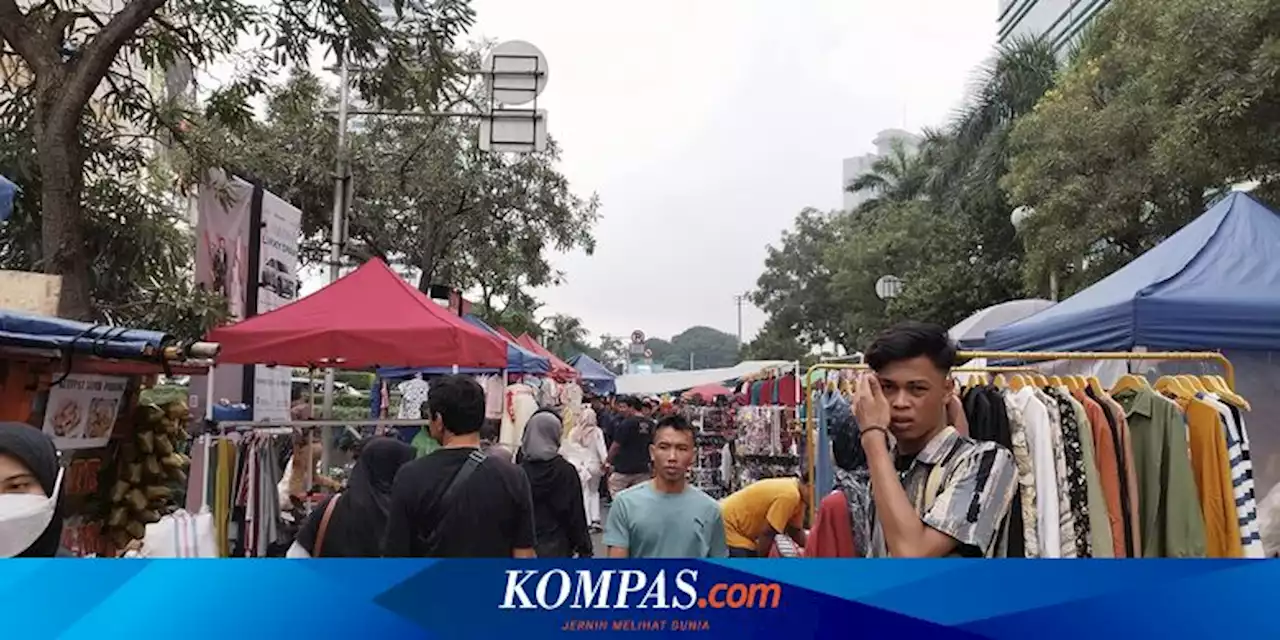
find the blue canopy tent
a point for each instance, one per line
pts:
(519, 360)
(1215, 284)
(41, 332)
(595, 376)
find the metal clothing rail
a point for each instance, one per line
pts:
(819, 450)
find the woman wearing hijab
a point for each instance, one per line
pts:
(357, 517)
(586, 450)
(559, 517)
(30, 492)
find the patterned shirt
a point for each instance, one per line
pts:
(975, 482)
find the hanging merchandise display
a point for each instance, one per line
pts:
(712, 470)
(148, 472)
(1145, 469)
(766, 444)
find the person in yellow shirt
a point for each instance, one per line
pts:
(756, 513)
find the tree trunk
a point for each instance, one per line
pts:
(62, 233)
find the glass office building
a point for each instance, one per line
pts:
(1061, 21)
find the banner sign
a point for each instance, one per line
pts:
(411, 599)
(278, 285)
(82, 409)
(247, 250)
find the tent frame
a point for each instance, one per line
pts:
(819, 457)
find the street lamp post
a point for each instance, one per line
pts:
(1019, 219)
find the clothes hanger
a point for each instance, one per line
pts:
(1219, 386)
(1054, 381)
(1191, 382)
(1017, 382)
(1129, 382)
(1095, 386)
(1040, 380)
(999, 381)
(1172, 385)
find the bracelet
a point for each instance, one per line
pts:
(866, 430)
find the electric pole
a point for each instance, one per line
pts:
(739, 299)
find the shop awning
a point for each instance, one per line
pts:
(369, 318)
(41, 332)
(1215, 284)
(667, 382)
(971, 333)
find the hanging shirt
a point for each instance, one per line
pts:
(1242, 480)
(413, 392)
(1212, 468)
(1169, 512)
(787, 390)
(1104, 459)
(1123, 442)
(1077, 481)
(1037, 425)
(1101, 541)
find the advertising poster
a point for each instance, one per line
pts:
(82, 410)
(223, 216)
(278, 285)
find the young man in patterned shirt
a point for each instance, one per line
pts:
(936, 492)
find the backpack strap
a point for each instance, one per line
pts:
(444, 503)
(324, 525)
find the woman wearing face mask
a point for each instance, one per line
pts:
(351, 524)
(30, 487)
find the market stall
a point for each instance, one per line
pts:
(1213, 285)
(370, 318)
(124, 460)
(595, 376)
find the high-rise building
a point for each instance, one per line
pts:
(856, 166)
(1061, 21)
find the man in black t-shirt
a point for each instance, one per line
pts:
(490, 512)
(629, 453)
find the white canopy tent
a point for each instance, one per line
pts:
(645, 384)
(971, 333)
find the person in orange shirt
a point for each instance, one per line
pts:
(756, 513)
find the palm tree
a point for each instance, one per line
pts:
(564, 335)
(899, 176)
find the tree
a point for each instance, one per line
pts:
(1156, 122)
(897, 177)
(794, 289)
(135, 236)
(774, 343)
(77, 62)
(564, 335)
(709, 348)
(424, 194)
(613, 352)
(940, 223)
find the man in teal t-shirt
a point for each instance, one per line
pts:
(665, 517)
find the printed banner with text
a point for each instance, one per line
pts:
(344, 599)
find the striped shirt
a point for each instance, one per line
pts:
(973, 487)
(1241, 475)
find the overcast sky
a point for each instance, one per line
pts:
(706, 125)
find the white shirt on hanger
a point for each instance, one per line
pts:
(413, 392)
(1040, 442)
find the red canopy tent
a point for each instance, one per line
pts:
(369, 318)
(560, 369)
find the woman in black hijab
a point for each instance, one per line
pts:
(359, 513)
(30, 501)
(560, 519)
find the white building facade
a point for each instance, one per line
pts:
(1060, 21)
(859, 165)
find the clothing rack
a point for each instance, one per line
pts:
(819, 456)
